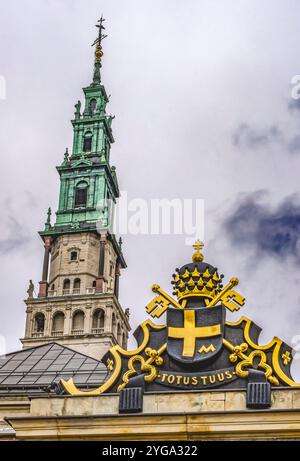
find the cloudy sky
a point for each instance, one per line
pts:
(202, 94)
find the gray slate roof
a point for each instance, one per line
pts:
(32, 370)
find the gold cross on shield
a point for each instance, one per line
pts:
(189, 332)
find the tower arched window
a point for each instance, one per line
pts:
(81, 193)
(76, 286)
(93, 106)
(111, 269)
(58, 324)
(124, 342)
(107, 148)
(119, 334)
(87, 141)
(78, 323)
(39, 325)
(74, 255)
(98, 321)
(66, 287)
(114, 324)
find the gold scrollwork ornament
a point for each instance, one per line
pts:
(238, 352)
(144, 366)
(249, 363)
(154, 354)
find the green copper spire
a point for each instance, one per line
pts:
(86, 176)
(92, 127)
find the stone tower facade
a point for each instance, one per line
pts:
(78, 304)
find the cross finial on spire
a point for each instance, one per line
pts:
(101, 36)
(98, 50)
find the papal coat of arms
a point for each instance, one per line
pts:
(197, 348)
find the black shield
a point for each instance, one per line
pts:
(195, 335)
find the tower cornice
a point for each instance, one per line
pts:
(55, 232)
(91, 169)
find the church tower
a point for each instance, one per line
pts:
(77, 303)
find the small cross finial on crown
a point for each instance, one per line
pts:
(198, 256)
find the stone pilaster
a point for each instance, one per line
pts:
(101, 279)
(108, 319)
(87, 319)
(43, 291)
(28, 321)
(68, 320)
(48, 326)
(117, 277)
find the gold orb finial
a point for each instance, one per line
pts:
(98, 54)
(198, 256)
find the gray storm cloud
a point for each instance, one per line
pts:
(251, 138)
(269, 232)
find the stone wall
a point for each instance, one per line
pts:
(212, 415)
